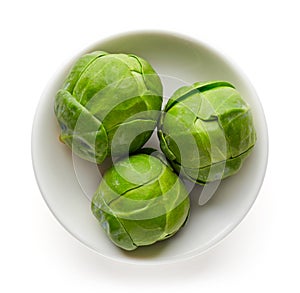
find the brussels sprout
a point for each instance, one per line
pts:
(140, 201)
(101, 93)
(206, 131)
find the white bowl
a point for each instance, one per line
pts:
(67, 183)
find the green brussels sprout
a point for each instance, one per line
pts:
(140, 201)
(101, 93)
(206, 131)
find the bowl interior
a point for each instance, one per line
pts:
(67, 183)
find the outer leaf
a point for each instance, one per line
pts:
(111, 225)
(186, 91)
(130, 136)
(79, 67)
(216, 171)
(81, 131)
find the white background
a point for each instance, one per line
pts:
(37, 37)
